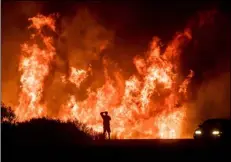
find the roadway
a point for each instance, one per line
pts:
(129, 150)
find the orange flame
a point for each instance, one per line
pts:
(34, 65)
(148, 108)
(77, 76)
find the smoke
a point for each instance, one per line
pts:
(209, 58)
(84, 38)
(212, 101)
(213, 98)
(80, 43)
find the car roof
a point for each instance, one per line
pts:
(216, 120)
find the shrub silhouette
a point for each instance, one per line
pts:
(48, 131)
(7, 114)
(41, 130)
(44, 130)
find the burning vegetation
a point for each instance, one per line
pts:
(151, 103)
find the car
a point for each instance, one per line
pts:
(214, 129)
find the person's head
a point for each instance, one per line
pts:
(106, 113)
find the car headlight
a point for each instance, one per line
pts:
(198, 132)
(216, 132)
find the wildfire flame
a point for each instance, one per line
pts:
(152, 103)
(34, 65)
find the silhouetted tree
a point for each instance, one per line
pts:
(7, 114)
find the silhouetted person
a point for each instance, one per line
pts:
(106, 123)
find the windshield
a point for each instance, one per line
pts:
(213, 123)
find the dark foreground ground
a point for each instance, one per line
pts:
(120, 150)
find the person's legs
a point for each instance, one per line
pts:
(108, 133)
(109, 137)
(104, 133)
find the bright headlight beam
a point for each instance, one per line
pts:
(215, 132)
(198, 132)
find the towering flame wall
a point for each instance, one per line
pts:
(151, 104)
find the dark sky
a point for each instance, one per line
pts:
(143, 17)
